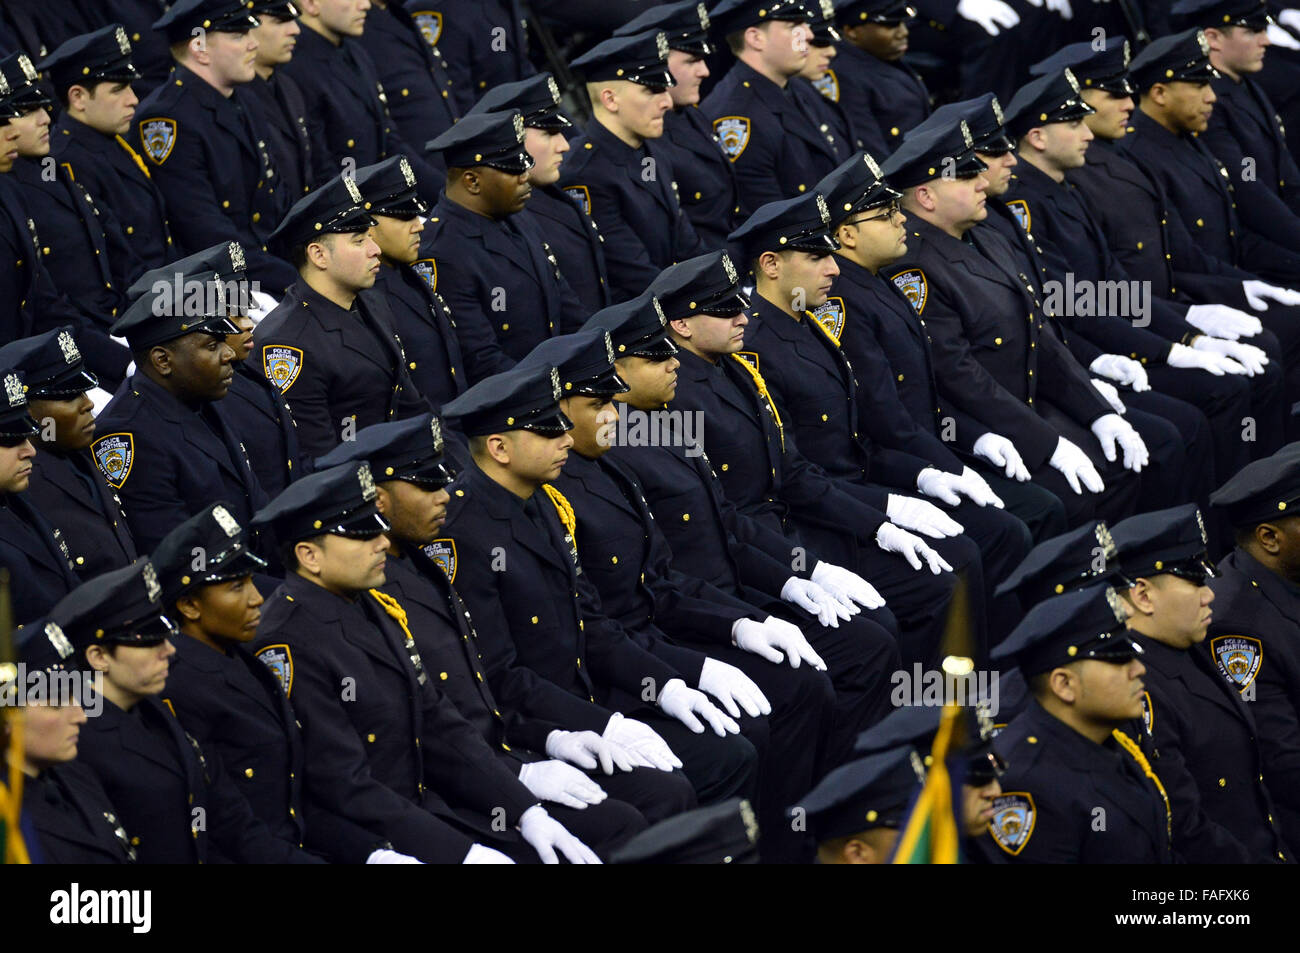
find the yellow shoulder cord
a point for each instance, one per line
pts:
(1131, 746)
(822, 328)
(398, 614)
(565, 509)
(134, 155)
(762, 389)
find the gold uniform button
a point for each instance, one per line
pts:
(686, 517)
(351, 143)
(724, 468)
(248, 772)
(1200, 223)
(225, 203)
(1032, 740)
(443, 676)
(534, 620)
(697, 196)
(614, 560)
(893, 131)
(257, 217)
(371, 737)
(130, 229)
(1223, 782)
(81, 560)
(1139, 246)
(900, 377)
(997, 341)
(579, 663)
(824, 418)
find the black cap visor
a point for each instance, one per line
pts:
(550, 119)
(653, 347)
(153, 629)
(406, 205)
(725, 305)
(1114, 646)
(696, 44)
(428, 472)
(996, 143)
(363, 522)
(602, 385)
(514, 162)
(14, 430)
(549, 422)
(984, 767)
(64, 387)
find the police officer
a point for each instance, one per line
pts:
(754, 449)
(970, 755)
(396, 756)
(491, 264)
(542, 613)
(33, 551)
(618, 174)
(1164, 141)
(174, 799)
(712, 541)
(65, 486)
(1244, 122)
(347, 106)
(1204, 734)
(1109, 336)
(725, 833)
(330, 346)
(714, 637)
(92, 75)
(1256, 609)
(706, 180)
(277, 103)
(876, 83)
(833, 419)
(420, 316)
(82, 245)
(165, 445)
(458, 29)
(1147, 233)
(570, 231)
(254, 408)
(886, 342)
(855, 812)
(1070, 752)
(417, 79)
(207, 150)
(971, 296)
(232, 704)
(413, 499)
(816, 78)
(775, 146)
(63, 804)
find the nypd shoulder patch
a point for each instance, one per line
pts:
(749, 357)
(828, 86)
(281, 364)
(114, 454)
(427, 269)
(429, 23)
(1013, 820)
(580, 195)
(279, 659)
(158, 137)
(914, 286)
(1020, 209)
(830, 316)
(443, 552)
(1238, 658)
(733, 135)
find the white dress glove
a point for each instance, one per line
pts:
(1280, 37)
(546, 835)
(775, 640)
(680, 701)
(586, 749)
(853, 586)
(978, 490)
(1001, 452)
(911, 513)
(733, 688)
(940, 485)
(1075, 467)
(1260, 293)
(1121, 370)
(642, 742)
(1253, 359)
(1112, 429)
(993, 15)
(813, 599)
(1107, 390)
(895, 539)
(478, 854)
(1180, 355)
(561, 783)
(1061, 7)
(386, 856)
(1220, 321)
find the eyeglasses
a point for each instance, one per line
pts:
(892, 209)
